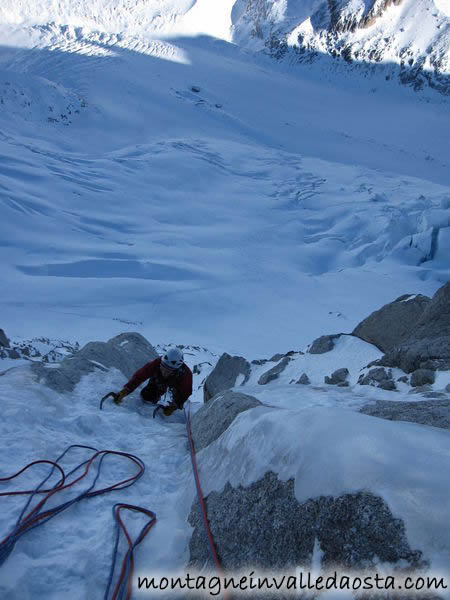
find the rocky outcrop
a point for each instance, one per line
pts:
(40, 349)
(428, 344)
(277, 357)
(379, 377)
(274, 372)
(338, 377)
(213, 418)
(422, 377)
(323, 344)
(126, 352)
(392, 324)
(224, 375)
(303, 379)
(4, 342)
(341, 20)
(272, 530)
(427, 412)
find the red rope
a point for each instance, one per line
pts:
(36, 462)
(61, 486)
(201, 499)
(129, 554)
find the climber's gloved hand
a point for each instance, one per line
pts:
(120, 396)
(168, 410)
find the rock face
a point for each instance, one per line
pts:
(426, 412)
(126, 352)
(428, 344)
(272, 530)
(224, 375)
(343, 31)
(4, 342)
(213, 418)
(388, 327)
(274, 372)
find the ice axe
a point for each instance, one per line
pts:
(112, 395)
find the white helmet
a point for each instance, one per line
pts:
(173, 359)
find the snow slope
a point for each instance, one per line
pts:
(155, 17)
(127, 195)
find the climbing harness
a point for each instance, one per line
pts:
(39, 515)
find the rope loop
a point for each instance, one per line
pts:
(38, 515)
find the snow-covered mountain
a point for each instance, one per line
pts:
(405, 39)
(408, 39)
(165, 181)
(148, 177)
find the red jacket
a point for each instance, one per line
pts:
(180, 381)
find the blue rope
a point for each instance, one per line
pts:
(122, 591)
(19, 530)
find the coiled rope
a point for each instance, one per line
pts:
(38, 516)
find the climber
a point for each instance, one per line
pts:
(170, 381)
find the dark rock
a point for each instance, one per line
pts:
(389, 385)
(374, 376)
(260, 361)
(197, 369)
(4, 342)
(304, 379)
(403, 379)
(427, 412)
(447, 387)
(274, 372)
(429, 341)
(392, 324)
(422, 377)
(323, 344)
(224, 375)
(13, 353)
(337, 377)
(278, 357)
(272, 530)
(376, 363)
(213, 418)
(436, 364)
(378, 377)
(127, 352)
